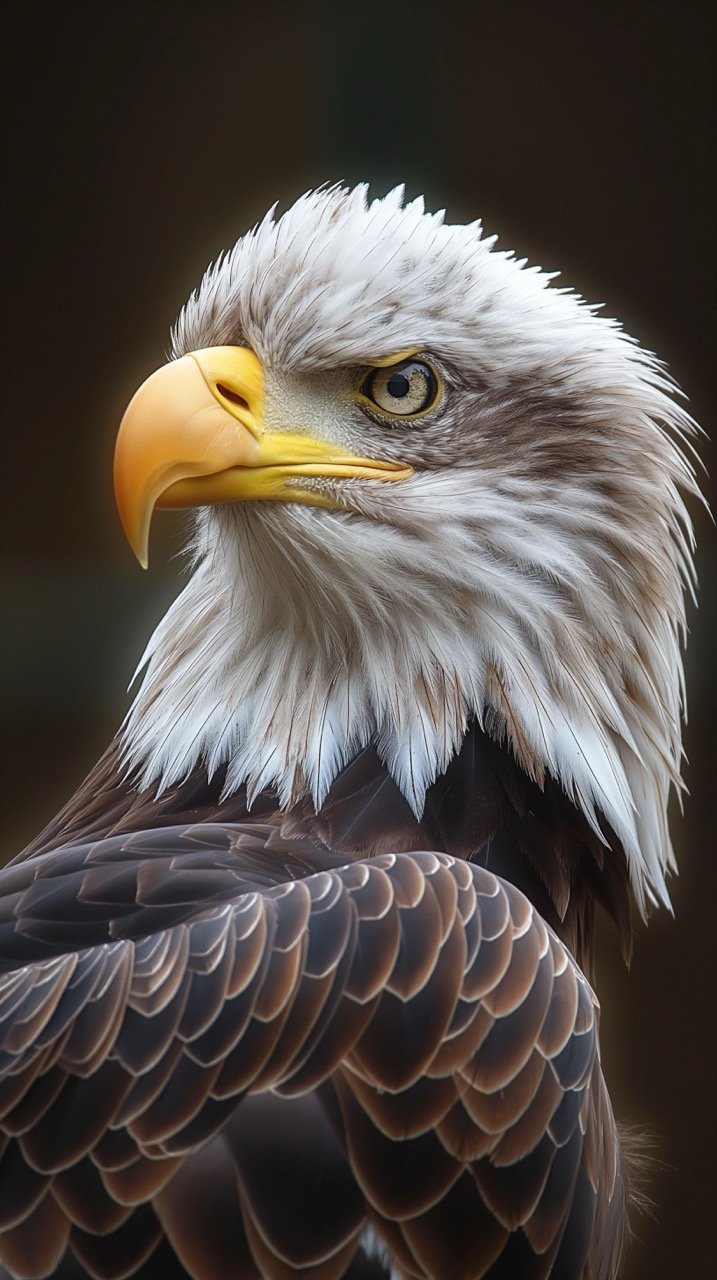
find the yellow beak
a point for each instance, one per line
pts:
(194, 435)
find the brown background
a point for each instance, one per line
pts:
(142, 139)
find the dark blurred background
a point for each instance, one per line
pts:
(142, 139)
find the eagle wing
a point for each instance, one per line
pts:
(180, 1004)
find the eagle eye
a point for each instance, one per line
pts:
(403, 390)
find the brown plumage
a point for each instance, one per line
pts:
(410, 1017)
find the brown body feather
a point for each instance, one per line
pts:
(484, 808)
(237, 1039)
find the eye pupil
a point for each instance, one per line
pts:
(398, 386)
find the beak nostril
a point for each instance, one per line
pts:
(227, 394)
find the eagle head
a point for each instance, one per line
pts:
(430, 489)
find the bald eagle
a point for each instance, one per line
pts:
(298, 983)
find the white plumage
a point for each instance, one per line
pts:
(529, 574)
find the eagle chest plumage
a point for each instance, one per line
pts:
(298, 983)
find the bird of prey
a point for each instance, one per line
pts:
(298, 983)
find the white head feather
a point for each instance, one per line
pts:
(530, 573)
